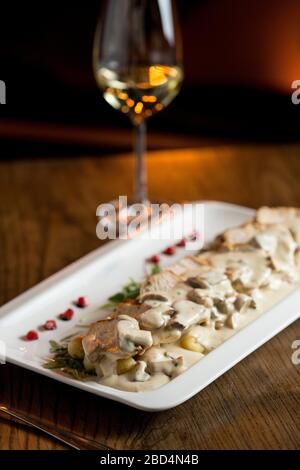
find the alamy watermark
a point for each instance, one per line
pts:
(296, 354)
(2, 92)
(118, 220)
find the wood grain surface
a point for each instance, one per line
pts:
(47, 220)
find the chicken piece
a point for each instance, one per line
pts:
(101, 338)
(131, 310)
(239, 235)
(276, 215)
(189, 265)
(283, 255)
(288, 216)
(160, 283)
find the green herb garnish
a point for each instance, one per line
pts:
(156, 269)
(65, 363)
(56, 348)
(68, 338)
(129, 292)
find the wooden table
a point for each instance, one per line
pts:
(47, 220)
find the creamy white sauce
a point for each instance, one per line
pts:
(249, 273)
(207, 335)
(156, 317)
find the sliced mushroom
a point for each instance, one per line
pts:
(156, 317)
(188, 313)
(138, 373)
(233, 320)
(200, 297)
(224, 288)
(158, 360)
(207, 279)
(218, 325)
(224, 306)
(216, 315)
(155, 298)
(242, 303)
(131, 338)
(169, 366)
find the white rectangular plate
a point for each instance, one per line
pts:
(104, 272)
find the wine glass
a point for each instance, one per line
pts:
(138, 65)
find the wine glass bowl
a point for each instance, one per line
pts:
(138, 65)
(142, 91)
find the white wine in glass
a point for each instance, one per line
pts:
(138, 65)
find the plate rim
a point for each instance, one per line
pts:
(176, 391)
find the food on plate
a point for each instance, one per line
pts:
(158, 329)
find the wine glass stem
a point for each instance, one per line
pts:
(141, 193)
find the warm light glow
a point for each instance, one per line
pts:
(130, 103)
(125, 109)
(157, 75)
(139, 108)
(122, 96)
(158, 107)
(149, 99)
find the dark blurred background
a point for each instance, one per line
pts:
(241, 57)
